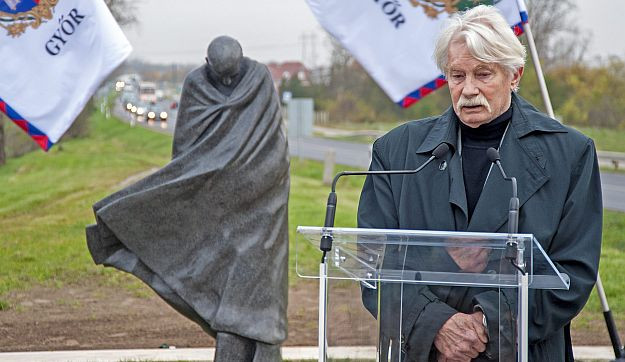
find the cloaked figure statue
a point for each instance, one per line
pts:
(208, 231)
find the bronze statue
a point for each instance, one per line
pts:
(208, 232)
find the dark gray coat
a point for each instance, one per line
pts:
(560, 196)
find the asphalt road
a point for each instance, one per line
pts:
(346, 153)
(613, 187)
(156, 125)
(358, 155)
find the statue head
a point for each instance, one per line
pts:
(224, 56)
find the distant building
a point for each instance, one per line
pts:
(281, 72)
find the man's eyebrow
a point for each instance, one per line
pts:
(485, 67)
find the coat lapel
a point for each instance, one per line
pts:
(521, 157)
(457, 193)
(446, 130)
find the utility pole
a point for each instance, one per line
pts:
(304, 40)
(308, 41)
(313, 43)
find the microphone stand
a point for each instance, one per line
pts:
(325, 243)
(514, 253)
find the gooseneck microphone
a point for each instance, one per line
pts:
(513, 209)
(326, 239)
(513, 213)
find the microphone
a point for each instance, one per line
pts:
(326, 239)
(513, 213)
(513, 209)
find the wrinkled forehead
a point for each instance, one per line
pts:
(459, 57)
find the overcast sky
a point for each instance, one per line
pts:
(179, 31)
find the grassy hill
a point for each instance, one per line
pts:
(46, 198)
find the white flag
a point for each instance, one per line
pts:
(53, 56)
(394, 39)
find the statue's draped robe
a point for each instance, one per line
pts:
(208, 232)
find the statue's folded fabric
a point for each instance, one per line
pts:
(208, 232)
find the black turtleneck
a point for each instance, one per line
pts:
(475, 164)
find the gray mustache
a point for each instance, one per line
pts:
(478, 100)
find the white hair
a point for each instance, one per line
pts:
(486, 34)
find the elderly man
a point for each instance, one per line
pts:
(559, 192)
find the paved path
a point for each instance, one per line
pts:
(206, 354)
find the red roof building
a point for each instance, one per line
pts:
(287, 71)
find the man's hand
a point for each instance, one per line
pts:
(470, 259)
(461, 338)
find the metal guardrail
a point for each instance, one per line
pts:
(611, 159)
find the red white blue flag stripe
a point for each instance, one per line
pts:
(53, 56)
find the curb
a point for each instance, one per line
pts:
(595, 353)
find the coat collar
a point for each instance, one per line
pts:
(521, 157)
(526, 119)
(444, 131)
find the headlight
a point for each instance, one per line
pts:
(140, 111)
(163, 115)
(129, 106)
(151, 115)
(133, 109)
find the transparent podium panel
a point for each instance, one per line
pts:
(411, 316)
(350, 324)
(395, 290)
(426, 257)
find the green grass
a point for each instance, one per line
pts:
(611, 270)
(45, 203)
(606, 139)
(307, 202)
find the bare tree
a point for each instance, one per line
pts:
(559, 40)
(123, 11)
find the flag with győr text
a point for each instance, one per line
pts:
(394, 39)
(54, 54)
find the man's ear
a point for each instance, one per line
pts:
(516, 78)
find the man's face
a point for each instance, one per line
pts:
(479, 91)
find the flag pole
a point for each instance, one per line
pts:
(539, 71)
(619, 350)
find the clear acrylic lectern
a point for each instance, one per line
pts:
(392, 268)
